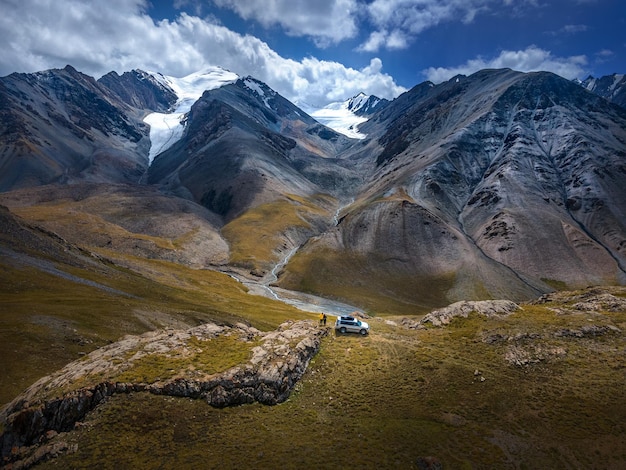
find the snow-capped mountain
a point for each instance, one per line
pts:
(264, 92)
(611, 87)
(166, 128)
(365, 105)
(345, 116)
(243, 144)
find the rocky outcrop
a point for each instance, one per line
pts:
(593, 299)
(277, 361)
(441, 317)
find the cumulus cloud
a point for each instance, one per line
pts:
(531, 59)
(408, 18)
(326, 21)
(97, 37)
(389, 40)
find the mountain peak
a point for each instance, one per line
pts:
(612, 87)
(364, 105)
(193, 85)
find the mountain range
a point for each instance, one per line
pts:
(611, 87)
(500, 184)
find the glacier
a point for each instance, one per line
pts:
(339, 117)
(167, 128)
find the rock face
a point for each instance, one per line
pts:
(277, 362)
(139, 90)
(513, 182)
(611, 87)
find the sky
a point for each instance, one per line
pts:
(317, 51)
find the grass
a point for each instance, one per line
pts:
(393, 397)
(555, 284)
(375, 402)
(65, 213)
(255, 236)
(47, 321)
(357, 280)
(203, 357)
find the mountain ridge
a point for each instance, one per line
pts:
(452, 184)
(612, 87)
(438, 157)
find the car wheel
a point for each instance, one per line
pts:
(363, 332)
(342, 330)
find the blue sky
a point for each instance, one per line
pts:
(317, 51)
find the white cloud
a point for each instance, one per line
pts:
(326, 21)
(569, 29)
(394, 40)
(574, 28)
(409, 18)
(97, 37)
(530, 59)
(604, 53)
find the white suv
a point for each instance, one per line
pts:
(345, 324)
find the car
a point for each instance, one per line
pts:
(349, 324)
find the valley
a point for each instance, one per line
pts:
(498, 185)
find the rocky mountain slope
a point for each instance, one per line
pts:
(140, 90)
(495, 185)
(500, 184)
(611, 87)
(244, 145)
(63, 126)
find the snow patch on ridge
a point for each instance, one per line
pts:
(255, 86)
(616, 80)
(167, 128)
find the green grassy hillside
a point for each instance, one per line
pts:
(52, 313)
(541, 388)
(450, 395)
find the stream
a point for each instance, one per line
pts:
(300, 300)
